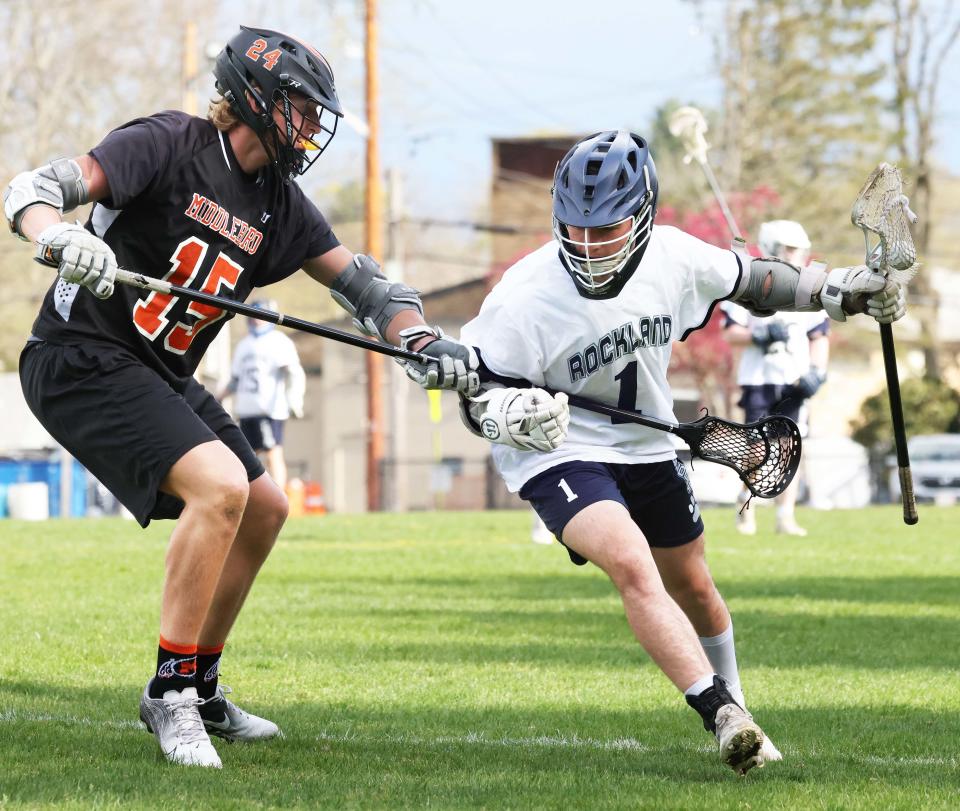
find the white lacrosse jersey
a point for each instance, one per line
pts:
(783, 362)
(262, 365)
(535, 325)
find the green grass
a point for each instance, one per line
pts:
(444, 661)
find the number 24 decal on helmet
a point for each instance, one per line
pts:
(270, 58)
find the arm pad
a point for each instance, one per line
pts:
(373, 301)
(59, 184)
(771, 285)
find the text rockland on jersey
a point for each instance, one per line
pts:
(623, 340)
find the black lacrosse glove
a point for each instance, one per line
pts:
(807, 385)
(768, 333)
(451, 365)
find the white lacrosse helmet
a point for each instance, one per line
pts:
(786, 240)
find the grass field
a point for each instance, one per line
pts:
(444, 661)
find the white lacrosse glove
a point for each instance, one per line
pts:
(889, 305)
(81, 257)
(525, 419)
(452, 365)
(859, 289)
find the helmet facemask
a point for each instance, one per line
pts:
(599, 276)
(294, 149)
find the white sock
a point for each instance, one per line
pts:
(722, 655)
(699, 686)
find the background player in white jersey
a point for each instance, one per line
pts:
(267, 383)
(208, 204)
(783, 363)
(594, 313)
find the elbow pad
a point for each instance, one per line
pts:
(771, 285)
(373, 301)
(58, 184)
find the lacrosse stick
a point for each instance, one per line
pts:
(764, 454)
(882, 211)
(688, 125)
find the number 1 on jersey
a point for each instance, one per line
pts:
(628, 391)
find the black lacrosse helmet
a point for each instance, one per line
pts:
(269, 67)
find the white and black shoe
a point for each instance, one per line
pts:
(226, 720)
(741, 740)
(177, 725)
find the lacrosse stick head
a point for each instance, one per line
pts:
(688, 125)
(765, 454)
(882, 212)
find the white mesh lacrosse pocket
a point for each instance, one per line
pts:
(883, 209)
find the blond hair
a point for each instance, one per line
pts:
(222, 115)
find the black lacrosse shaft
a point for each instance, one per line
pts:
(899, 429)
(143, 282)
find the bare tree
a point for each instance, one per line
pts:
(921, 44)
(72, 72)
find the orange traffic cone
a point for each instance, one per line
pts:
(313, 503)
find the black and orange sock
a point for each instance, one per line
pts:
(176, 668)
(208, 670)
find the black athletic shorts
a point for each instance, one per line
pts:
(124, 422)
(657, 495)
(262, 433)
(763, 401)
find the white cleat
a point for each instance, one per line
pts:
(177, 725)
(741, 740)
(788, 526)
(770, 752)
(226, 720)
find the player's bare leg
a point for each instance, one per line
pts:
(605, 534)
(786, 516)
(277, 465)
(746, 514)
(263, 518)
(265, 512)
(688, 580)
(212, 483)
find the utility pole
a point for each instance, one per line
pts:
(394, 487)
(188, 68)
(374, 222)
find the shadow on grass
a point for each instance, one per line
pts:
(782, 636)
(58, 744)
(588, 584)
(936, 590)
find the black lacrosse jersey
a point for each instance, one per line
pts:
(181, 209)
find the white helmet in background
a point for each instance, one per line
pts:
(786, 240)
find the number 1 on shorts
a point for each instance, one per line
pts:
(571, 496)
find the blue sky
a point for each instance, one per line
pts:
(454, 74)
